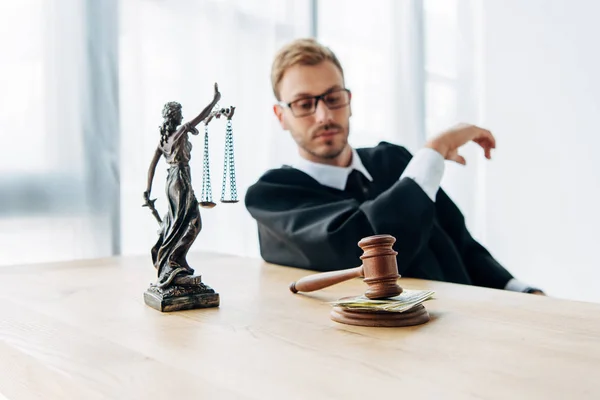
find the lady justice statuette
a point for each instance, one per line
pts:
(177, 286)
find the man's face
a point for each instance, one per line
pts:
(323, 135)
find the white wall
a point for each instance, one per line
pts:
(541, 98)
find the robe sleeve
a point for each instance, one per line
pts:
(483, 269)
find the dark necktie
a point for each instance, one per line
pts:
(357, 185)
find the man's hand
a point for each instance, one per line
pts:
(538, 292)
(448, 143)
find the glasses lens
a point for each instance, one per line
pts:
(337, 99)
(303, 107)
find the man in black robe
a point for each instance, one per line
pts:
(311, 215)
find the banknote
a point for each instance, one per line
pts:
(401, 303)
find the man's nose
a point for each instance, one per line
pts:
(322, 113)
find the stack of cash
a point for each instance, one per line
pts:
(401, 303)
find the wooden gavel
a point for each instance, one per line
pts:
(379, 269)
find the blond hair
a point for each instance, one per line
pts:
(300, 52)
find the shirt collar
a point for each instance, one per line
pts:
(330, 175)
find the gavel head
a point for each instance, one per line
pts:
(380, 268)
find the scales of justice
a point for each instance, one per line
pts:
(178, 287)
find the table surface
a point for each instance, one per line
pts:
(81, 330)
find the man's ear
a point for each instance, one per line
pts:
(278, 110)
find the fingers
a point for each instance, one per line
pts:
(460, 159)
(454, 156)
(486, 140)
(483, 135)
(487, 146)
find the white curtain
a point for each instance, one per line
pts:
(83, 85)
(58, 171)
(528, 72)
(453, 90)
(379, 47)
(175, 51)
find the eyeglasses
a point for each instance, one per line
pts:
(306, 106)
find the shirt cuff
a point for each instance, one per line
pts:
(426, 168)
(515, 285)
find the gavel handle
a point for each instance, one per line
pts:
(322, 280)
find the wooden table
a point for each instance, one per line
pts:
(80, 330)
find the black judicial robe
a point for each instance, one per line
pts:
(304, 224)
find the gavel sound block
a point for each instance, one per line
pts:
(380, 272)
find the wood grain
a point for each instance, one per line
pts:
(81, 330)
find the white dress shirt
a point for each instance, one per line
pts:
(330, 175)
(426, 168)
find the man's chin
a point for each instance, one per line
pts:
(329, 152)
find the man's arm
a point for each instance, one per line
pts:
(483, 269)
(319, 230)
(426, 168)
